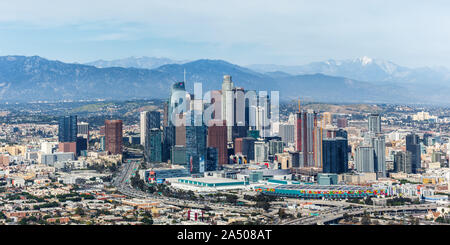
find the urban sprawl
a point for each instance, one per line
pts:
(231, 157)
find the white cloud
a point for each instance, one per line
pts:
(295, 29)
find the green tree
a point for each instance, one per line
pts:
(366, 220)
(263, 204)
(147, 221)
(347, 217)
(79, 211)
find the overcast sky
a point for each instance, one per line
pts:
(409, 33)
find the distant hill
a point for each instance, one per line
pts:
(38, 79)
(135, 62)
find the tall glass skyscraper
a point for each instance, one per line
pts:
(335, 155)
(67, 129)
(413, 146)
(307, 139)
(154, 145)
(379, 146)
(375, 123)
(196, 137)
(149, 120)
(402, 162)
(364, 158)
(228, 105)
(175, 105)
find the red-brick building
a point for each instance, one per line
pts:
(113, 136)
(217, 138)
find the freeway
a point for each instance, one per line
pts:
(339, 208)
(338, 212)
(123, 184)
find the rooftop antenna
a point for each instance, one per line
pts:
(184, 75)
(299, 105)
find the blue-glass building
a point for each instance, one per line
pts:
(212, 159)
(196, 137)
(154, 145)
(67, 129)
(413, 146)
(335, 155)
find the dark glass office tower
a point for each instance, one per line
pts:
(151, 121)
(168, 143)
(402, 162)
(196, 137)
(341, 133)
(335, 155)
(67, 129)
(212, 159)
(413, 146)
(154, 145)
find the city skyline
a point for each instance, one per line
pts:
(337, 114)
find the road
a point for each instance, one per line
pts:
(123, 184)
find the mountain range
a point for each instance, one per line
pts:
(364, 69)
(135, 62)
(25, 79)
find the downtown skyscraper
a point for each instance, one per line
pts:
(374, 123)
(413, 147)
(217, 138)
(228, 105)
(174, 107)
(308, 139)
(371, 155)
(335, 155)
(67, 129)
(150, 120)
(113, 136)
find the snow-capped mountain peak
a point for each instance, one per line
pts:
(364, 60)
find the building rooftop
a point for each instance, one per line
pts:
(212, 180)
(321, 187)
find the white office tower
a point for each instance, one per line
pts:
(448, 149)
(291, 119)
(287, 132)
(364, 159)
(448, 181)
(379, 146)
(274, 128)
(261, 151)
(47, 147)
(83, 128)
(260, 120)
(375, 123)
(143, 127)
(227, 105)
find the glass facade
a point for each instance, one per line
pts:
(335, 155)
(67, 129)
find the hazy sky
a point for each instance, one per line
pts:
(410, 33)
